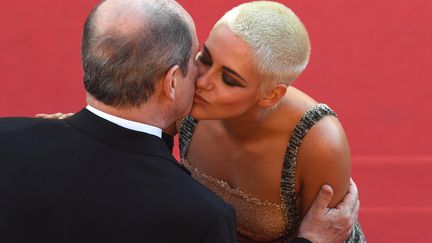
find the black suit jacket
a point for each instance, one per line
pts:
(85, 179)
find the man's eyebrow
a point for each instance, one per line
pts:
(224, 67)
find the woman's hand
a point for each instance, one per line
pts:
(58, 115)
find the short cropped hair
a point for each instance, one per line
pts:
(120, 69)
(278, 38)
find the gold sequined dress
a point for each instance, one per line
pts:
(259, 220)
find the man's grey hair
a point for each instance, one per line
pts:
(276, 35)
(128, 48)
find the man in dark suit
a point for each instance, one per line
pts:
(105, 174)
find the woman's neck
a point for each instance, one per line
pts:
(252, 125)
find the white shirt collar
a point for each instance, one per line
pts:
(136, 126)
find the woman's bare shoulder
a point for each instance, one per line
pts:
(324, 158)
(324, 155)
(293, 106)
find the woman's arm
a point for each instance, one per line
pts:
(323, 158)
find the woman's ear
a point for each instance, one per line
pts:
(169, 82)
(273, 95)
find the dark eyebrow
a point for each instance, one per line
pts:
(224, 67)
(233, 73)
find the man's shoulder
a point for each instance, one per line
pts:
(25, 125)
(29, 121)
(37, 132)
(15, 120)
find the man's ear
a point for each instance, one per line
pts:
(273, 95)
(169, 82)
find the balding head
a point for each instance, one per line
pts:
(129, 17)
(128, 45)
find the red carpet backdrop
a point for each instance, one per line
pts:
(370, 61)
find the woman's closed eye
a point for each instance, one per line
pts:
(230, 81)
(205, 59)
(202, 58)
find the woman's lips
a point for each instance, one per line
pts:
(199, 99)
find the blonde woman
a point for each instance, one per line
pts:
(260, 144)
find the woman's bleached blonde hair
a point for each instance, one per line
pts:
(276, 35)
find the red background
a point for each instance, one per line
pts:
(370, 61)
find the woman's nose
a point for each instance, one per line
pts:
(204, 80)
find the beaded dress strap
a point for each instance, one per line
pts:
(303, 126)
(187, 129)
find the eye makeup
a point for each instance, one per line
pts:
(205, 58)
